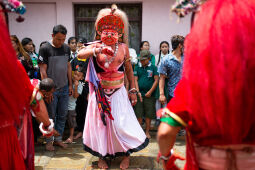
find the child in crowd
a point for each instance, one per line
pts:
(47, 87)
(77, 90)
(145, 45)
(163, 51)
(72, 43)
(82, 101)
(146, 81)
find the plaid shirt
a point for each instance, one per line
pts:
(172, 68)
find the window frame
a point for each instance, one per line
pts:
(103, 5)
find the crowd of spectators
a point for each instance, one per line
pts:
(156, 77)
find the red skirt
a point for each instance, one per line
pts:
(10, 151)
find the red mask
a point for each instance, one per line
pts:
(109, 37)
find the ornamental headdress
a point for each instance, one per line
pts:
(113, 19)
(184, 7)
(14, 6)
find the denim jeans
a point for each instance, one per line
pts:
(57, 110)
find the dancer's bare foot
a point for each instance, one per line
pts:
(148, 135)
(124, 163)
(61, 144)
(49, 146)
(79, 134)
(102, 164)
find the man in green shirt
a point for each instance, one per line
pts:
(146, 81)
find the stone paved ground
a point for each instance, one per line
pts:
(75, 158)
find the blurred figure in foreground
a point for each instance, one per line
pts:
(215, 97)
(18, 97)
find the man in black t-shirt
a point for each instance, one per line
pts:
(54, 59)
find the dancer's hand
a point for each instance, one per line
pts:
(54, 133)
(133, 99)
(107, 50)
(48, 130)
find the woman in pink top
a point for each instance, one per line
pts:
(118, 133)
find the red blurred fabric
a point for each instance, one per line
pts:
(16, 92)
(216, 95)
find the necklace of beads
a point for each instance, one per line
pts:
(111, 59)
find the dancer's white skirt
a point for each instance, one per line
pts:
(121, 136)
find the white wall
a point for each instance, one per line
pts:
(39, 21)
(158, 23)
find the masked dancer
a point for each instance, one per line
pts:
(111, 128)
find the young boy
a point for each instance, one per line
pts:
(77, 90)
(72, 43)
(81, 108)
(82, 102)
(146, 81)
(46, 88)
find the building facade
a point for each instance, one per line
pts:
(150, 20)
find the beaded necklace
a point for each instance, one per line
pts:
(111, 59)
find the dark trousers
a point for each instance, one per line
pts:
(36, 129)
(81, 109)
(57, 110)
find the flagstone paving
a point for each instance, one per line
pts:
(75, 158)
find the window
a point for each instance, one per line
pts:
(85, 17)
